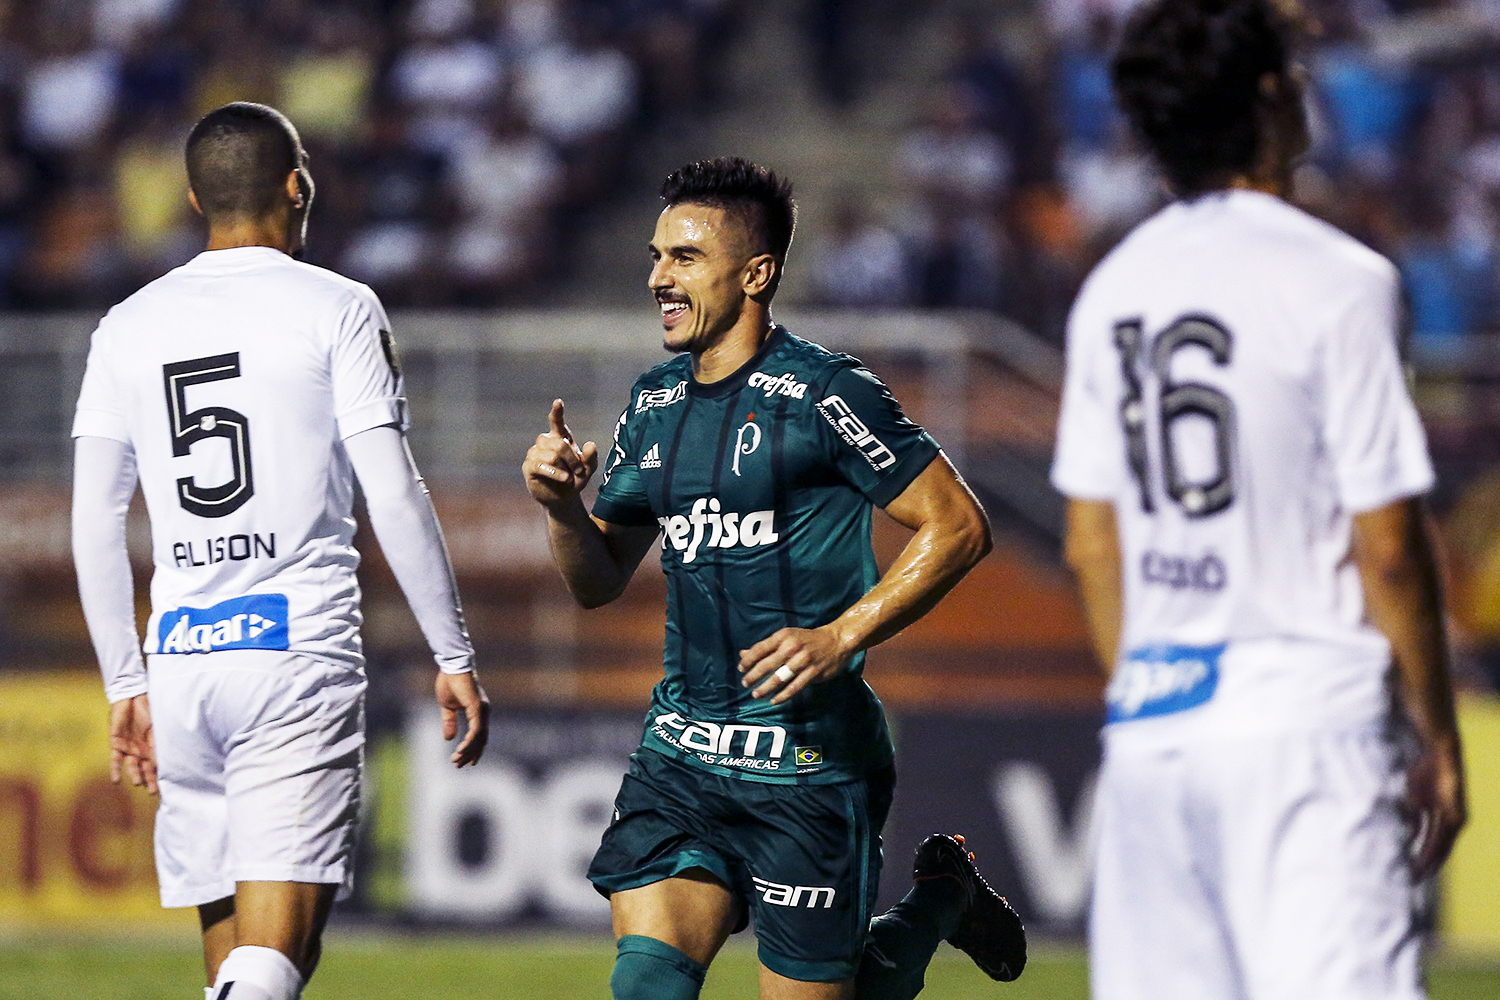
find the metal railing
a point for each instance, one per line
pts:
(480, 383)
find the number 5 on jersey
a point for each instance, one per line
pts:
(191, 426)
(1175, 401)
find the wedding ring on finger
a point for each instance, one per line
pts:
(784, 674)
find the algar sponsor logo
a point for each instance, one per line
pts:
(781, 894)
(708, 524)
(855, 433)
(770, 385)
(256, 621)
(728, 744)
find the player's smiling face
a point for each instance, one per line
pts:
(700, 256)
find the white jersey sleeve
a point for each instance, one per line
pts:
(101, 408)
(104, 480)
(1089, 463)
(368, 390)
(1371, 425)
(409, 534)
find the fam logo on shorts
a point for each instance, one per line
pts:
(781, 894)
(1161, 680)
(256, 621)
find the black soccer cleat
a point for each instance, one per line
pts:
(990, 932)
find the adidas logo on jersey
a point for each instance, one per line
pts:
(652, 458)
(705, 525)
(257, 621)
(786, 385)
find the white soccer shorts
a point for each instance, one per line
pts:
(1269, 867)
(259, 755)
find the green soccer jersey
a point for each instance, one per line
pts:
(762, 484)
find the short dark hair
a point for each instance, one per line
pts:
(1188, 75)
(755, 194)
(238, 157)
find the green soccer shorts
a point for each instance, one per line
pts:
(804, 859)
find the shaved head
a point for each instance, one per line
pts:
(238, 158)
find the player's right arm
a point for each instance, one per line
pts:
(104, 479)
(1393, 548)
(1091, 547)
(596, 558)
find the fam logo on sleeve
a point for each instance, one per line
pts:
(855, 433)
(648, 398)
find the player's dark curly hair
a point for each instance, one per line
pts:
(1188, 74)
(736, 185)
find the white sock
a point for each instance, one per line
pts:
(256, 973)
(208, 993)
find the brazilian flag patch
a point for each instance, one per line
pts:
(808, 756)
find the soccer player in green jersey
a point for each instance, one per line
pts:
(765, 772)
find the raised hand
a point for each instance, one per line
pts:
(556, 469)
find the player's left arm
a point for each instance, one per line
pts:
(369, 396)
(1394, 549)
(952, 535)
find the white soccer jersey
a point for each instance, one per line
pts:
(1234, 387)
(234, 379)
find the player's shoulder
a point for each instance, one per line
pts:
(1304, 240)
(308, 288)
(811, 361)
(338, 289)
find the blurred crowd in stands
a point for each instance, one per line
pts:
(459, 144)
(1022, 173)
(454, 142)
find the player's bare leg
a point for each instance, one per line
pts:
(774, 986)
(267, 939)
(217, 921)
(668, 932)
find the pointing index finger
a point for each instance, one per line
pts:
(555, 418)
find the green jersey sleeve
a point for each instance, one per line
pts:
(622, 495)
(872, 443)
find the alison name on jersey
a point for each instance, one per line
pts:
(759, 747)
(256, 621)
(707, 525)
(232, 548)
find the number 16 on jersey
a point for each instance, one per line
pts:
(1176, 400)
